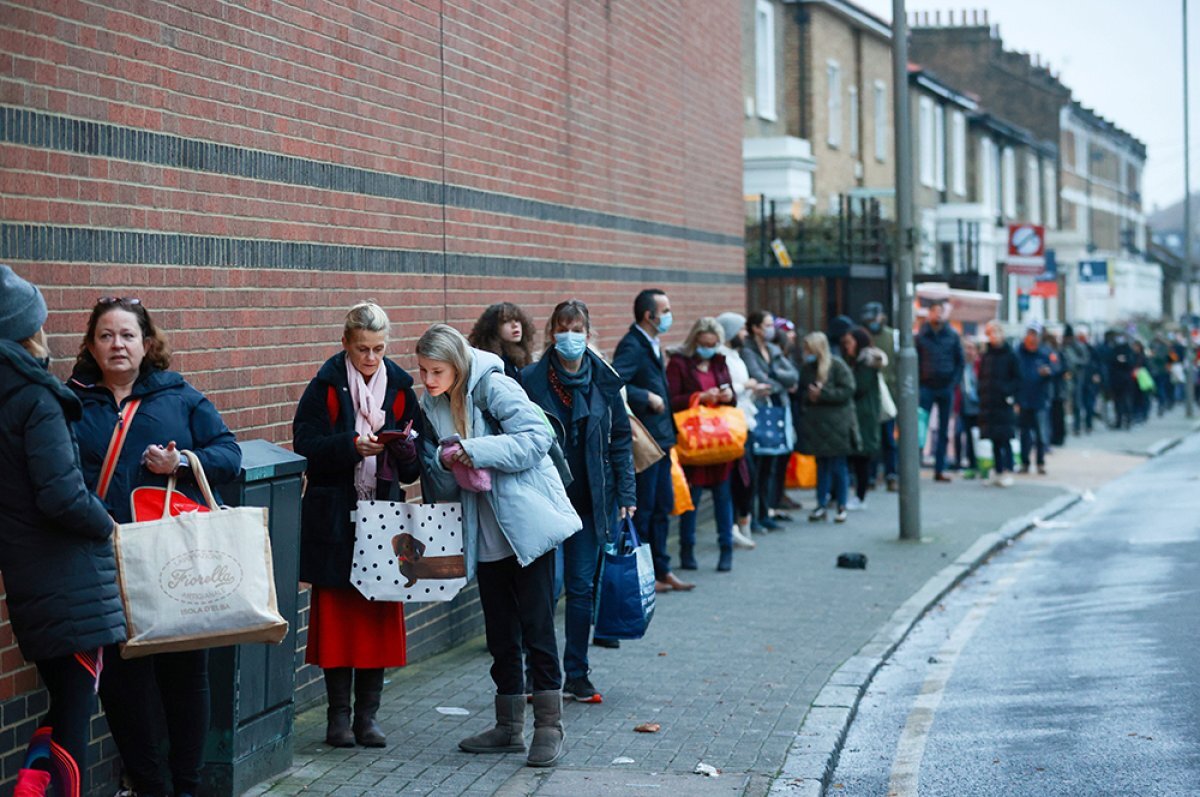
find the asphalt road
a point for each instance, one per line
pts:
(1068, 665)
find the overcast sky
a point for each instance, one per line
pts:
(1123, 59)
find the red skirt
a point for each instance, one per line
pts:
(347, 630)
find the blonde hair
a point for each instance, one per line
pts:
(36, 344)
(816, 343)
(702, 326)
(444, 343)
(366, 316)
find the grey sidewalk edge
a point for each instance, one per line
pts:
(813, 755)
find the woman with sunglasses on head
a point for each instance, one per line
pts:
(582, 393)
(55, 547)
(121, 376)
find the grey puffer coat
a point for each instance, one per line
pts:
(527, 495)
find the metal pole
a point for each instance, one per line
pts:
(1189, 367)
(906, 405)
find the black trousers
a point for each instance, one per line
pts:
(60, 744)
(518, 616)
(147, 699)
(861, 468)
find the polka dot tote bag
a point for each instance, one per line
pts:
(411, 553)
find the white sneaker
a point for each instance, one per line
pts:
(855, 505)
(840, 517)
(742, 539)
(1006, 480)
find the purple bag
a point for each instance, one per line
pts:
(476, 480)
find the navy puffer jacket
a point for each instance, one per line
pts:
(56, 550)
(940, 356)
(171, 409)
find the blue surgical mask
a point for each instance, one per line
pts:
(705, 352)
(810, 358)
(570, 345)
(875, 326)
(664, 322)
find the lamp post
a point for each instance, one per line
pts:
(1189, 366)
(906, 405)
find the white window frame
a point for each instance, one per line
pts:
(1008, 182)
(1050, 191)
(1033, 190)
(939, 147)
(925, 141)
(854, 142)
(958, 145)
(988, 194)
(881, 121)
(1083, 166)
(833, 103)
(764, 60)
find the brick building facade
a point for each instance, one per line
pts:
(251, 171)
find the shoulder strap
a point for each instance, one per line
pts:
(120, 432)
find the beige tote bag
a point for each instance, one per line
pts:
(199, 579)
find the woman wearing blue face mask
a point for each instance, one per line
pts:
(581, 394)
(697, 370)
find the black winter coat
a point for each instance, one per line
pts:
(999, 381)
(56, 551)
(831, 422)
(644, 372)
(609, 440)
(171, 409)
(940, 357)
(323, 432)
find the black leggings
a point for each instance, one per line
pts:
(861, 468)
(132, 691)
(59, 746)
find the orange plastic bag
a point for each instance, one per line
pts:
(683, 493)
(710, 435)
(801, 472)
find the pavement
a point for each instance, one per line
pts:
(756, 673)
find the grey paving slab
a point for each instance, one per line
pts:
(729, 670)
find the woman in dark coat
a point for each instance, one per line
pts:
(999, 380)
(767, 365)
(355, 394)
(830, 423)
(698, 370)
(582, 393)
(505, 330)
(56, 552)
(866, 362)
(121, 378)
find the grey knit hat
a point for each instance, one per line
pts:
(22, 308)
(732, 323)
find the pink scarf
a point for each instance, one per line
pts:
(369, 416)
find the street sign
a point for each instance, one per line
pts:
(1093, 272)
(1050, 273)
(1023, 303)
(1026, 249)
(781, 253)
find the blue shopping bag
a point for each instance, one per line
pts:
(774, 434)
(625, 595)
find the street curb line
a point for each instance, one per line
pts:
(813, 754)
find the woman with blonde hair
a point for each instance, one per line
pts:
(697, 371)
(356, 394)
(486, 446)
(830, 425)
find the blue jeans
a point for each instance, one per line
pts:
(832, 470)
(1032, 440)
(655, 501)
(722, 508)
(943, 398)
(888, 453)
(581, 561)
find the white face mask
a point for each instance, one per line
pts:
(769, 333)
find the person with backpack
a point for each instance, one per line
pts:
(487, 445)
(356, 394)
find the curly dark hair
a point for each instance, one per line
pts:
(158, 352)
(486, 333)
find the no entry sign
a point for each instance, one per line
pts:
(1026, 249)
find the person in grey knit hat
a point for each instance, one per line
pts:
(56, 553)
(22, 307)
(746, 390)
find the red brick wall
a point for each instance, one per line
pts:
(249, 171)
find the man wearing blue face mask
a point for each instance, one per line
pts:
(639, 361)
(581, 394)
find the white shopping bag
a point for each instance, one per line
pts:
(412, 553)
(199, 579)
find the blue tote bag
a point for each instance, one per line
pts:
(773, 433)
(625, 594)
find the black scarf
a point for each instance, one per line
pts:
(572, 390)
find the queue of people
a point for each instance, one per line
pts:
(534, 527)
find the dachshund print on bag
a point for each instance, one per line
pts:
(415, 565)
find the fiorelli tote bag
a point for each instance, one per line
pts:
(197, 579)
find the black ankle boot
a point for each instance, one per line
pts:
(337, 687)
(687, 557)
(368, 692)
(725, 563)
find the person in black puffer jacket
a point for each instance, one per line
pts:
(56, 550)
